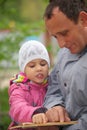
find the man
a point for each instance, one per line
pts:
(66, 99)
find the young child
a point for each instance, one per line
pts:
(27, 90)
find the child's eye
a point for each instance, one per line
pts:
(43, 64)
(31, 66)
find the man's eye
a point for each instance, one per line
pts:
(64, 33)
(55, 36)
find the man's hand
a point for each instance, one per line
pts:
(57, 113)
(39, 118)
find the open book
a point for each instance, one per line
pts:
(32, 125)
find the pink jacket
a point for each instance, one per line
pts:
(24, 100)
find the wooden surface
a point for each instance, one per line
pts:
(31, 125)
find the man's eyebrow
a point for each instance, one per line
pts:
(62, 32)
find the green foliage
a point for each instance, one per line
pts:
(4, 102)
(9, 10)
(4, 107)
(10, 43)
(18, 29)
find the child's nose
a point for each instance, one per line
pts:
(39, 67)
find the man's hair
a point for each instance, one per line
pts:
(71, 8)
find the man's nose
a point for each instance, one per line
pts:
(61, 42)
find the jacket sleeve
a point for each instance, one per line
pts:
(81, 125)
(79, 94)
(20, 109)
(54, 96)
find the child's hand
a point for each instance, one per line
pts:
(39, 118)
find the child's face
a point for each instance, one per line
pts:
(37, 70)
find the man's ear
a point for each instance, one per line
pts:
(83, 18)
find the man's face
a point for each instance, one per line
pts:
(68, 34)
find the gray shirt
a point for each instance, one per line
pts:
(68, 87)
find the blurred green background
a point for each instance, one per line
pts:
(20, 20)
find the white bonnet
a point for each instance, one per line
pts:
(32, 50)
